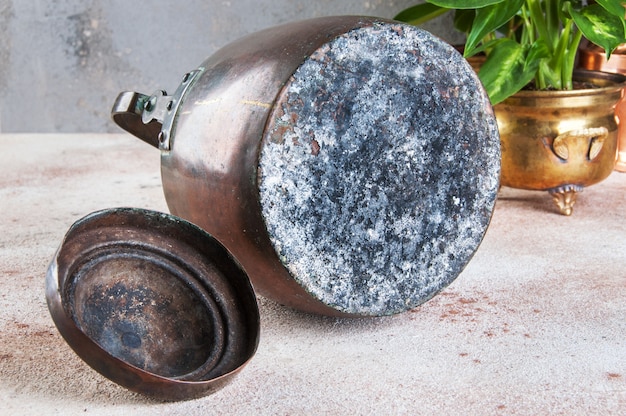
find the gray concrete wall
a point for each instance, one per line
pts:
(62, 63)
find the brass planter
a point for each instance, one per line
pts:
(593, 57)
(560, 141)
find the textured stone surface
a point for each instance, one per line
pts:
(379, 169)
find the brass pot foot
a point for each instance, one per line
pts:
(564, 197)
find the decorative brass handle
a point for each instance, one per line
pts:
(589, 141)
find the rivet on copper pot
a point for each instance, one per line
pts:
(149, 105)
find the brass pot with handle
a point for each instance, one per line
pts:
(560, 141)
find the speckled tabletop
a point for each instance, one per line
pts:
(535, 324)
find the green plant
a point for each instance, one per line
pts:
(526, 40)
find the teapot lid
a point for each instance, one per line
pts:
(153, 303)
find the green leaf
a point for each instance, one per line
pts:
(421, 13)
(463, 20)
(599, 26)
(488, 19)
(508, 68)
(464, 4)
(537, 52)
(615, 7)
(486, 46)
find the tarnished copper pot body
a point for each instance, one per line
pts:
(314, 152)
(560, 141)
(594, 58)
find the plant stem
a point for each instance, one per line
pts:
(540, 79)
(538, 20)
(528, 34)
(568, 61)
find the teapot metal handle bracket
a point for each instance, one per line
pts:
(151, 118)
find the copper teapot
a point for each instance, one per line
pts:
(351, 164)
(345, 166)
